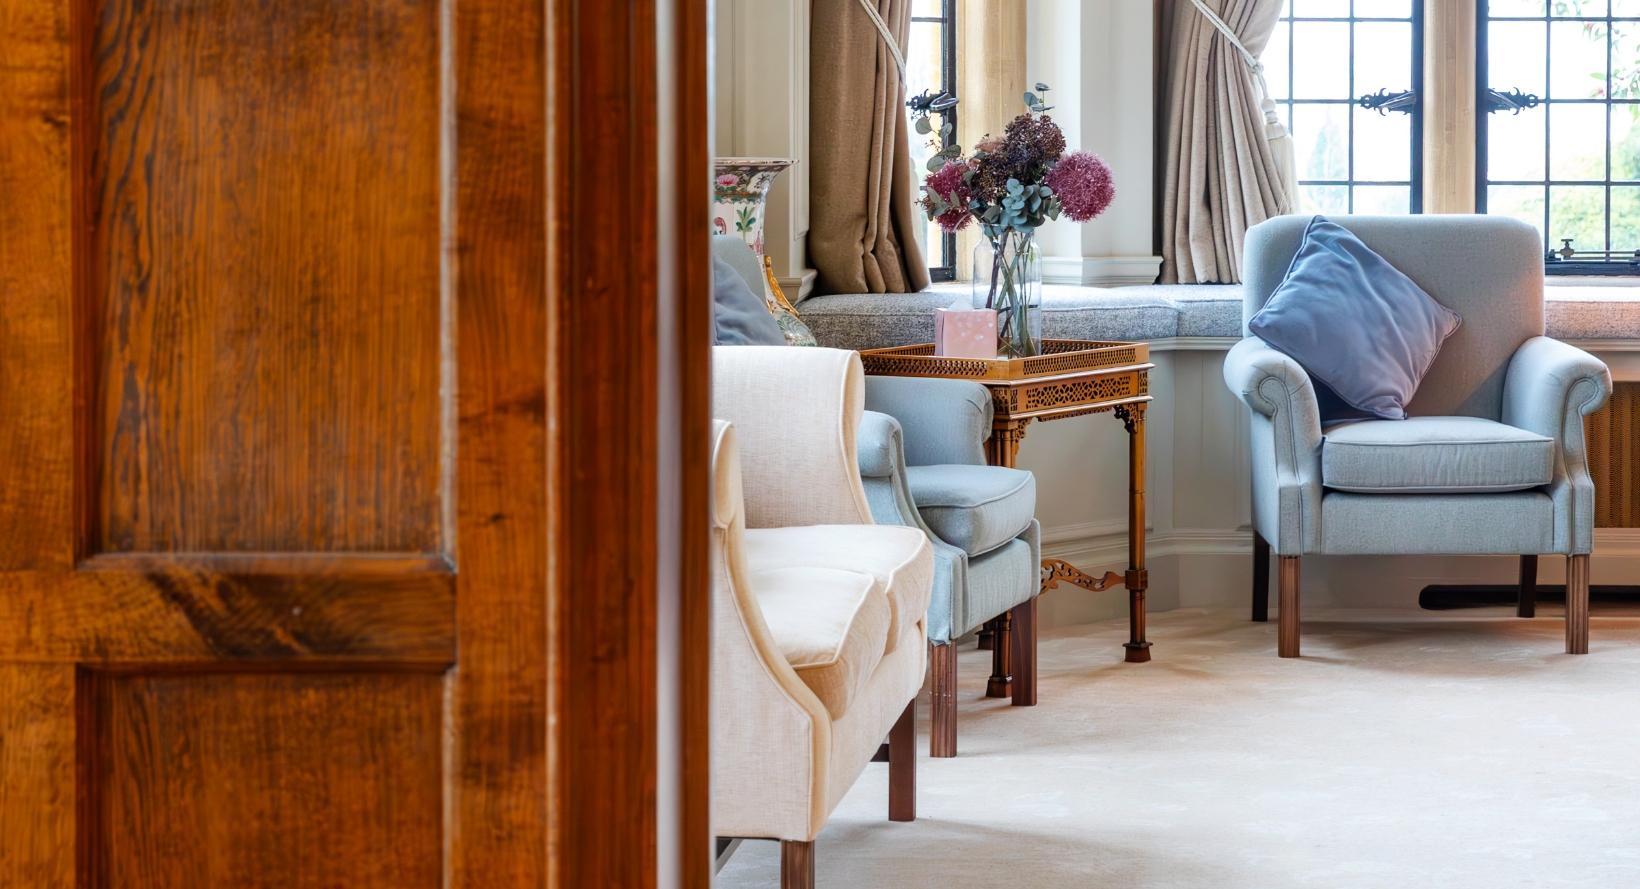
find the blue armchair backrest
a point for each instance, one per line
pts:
(1488, 269)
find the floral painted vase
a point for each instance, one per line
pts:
(740, 189)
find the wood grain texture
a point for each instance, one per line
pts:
(1577, 604)
(1449, 106)
(186, 614)
(796, 864)
(262, 270)
(688, 309)
(36, 505)
(1023, 626)
(902, 766)
(260, 780)
(942, 715)
(1287, 622)
(497, 779)
(37, 762)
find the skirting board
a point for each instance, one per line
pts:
(1101, 271)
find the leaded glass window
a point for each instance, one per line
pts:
(1346, 75)
(931, 70)
(1559, 133)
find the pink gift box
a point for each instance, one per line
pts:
(970, 333)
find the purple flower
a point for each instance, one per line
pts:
(1083, 184)
(951, 209)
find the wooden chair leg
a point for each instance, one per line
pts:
(1261, 578)
(1001, 683)
(902, 766)
(1527, 605)
(1577, 604)
(942, 731)
(1287, 629)
(1024, 646)
(796, 864)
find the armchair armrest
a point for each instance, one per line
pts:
(1286, 444)
(945, 421)
(1550, 387)
(882, 470)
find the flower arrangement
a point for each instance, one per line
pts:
(1010, 186)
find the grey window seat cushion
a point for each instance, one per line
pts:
(1363, 330)
(975, 508)
(1431, 455)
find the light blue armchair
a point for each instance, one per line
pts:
(981, 520)
(1491, 460)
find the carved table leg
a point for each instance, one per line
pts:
(1138, 579)
(1002, 447)
(1001, 683)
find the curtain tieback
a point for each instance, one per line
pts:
(882, 29)
(1274, 132)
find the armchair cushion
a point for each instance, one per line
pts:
(831, 625)
(946, 421)
(899, 558)
(1361, 328)
(977, 508)
(1430, 455)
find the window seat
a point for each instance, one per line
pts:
(1576, 312)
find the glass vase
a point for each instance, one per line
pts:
(1008, 279)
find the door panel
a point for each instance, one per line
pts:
(250, 779)
(335, 339)
(262, 260)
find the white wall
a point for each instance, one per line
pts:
(762, 105)
(1097, 55)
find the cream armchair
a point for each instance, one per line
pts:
(820, 640)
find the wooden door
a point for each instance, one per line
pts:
(296, 504)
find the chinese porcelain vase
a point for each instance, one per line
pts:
(740, 188)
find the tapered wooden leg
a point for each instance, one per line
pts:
(1577, 604)
(942, 730)
(1261, 578)
(984, 637)
(796, 864)
(1024, 645)
(1287, 629)
(1137, 579)
(1527, 605)
(902, 766)
(1001, 683)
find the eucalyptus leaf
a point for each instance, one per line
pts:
(1030, 99)
(935, 163)
(1041, 87)
(923, 126)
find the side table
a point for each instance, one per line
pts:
(1073, 378)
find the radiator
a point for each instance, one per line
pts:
(1614, 458)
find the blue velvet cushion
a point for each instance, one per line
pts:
(743, 317)
(1363, 330)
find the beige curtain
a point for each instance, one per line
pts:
(1222, 174)
(861, 221)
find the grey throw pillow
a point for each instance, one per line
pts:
(743, 317)
(1363, 330)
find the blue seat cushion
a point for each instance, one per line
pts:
(975, 508)
(1434, 455)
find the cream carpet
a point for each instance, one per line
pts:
(1451, 749)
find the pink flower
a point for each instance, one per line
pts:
(727, 180)
(948, 185)
(1083, 184)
